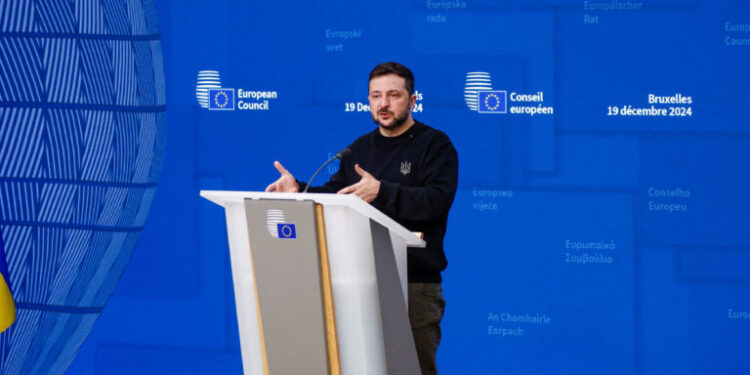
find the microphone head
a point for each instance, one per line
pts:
(343, 153)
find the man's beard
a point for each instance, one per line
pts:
(396, 122)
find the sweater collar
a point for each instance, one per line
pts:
(415, 129)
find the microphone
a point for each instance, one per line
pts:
(339, 155)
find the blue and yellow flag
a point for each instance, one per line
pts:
(221, 99)
(493, 101)
(7, 307)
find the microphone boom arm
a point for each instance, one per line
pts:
(339, 155)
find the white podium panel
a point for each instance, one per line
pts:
(366, 255)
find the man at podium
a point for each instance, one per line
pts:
(409, 171)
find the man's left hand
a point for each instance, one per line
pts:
(367, 188)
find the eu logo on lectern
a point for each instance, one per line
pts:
(286, 230)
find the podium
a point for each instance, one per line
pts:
(320, 284)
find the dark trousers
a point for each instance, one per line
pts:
(426, 307)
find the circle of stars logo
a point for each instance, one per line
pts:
(286, 231)
(223, 102)
(496, 102)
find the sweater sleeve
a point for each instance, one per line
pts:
(433, 199)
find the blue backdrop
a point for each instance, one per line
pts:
(601, 221)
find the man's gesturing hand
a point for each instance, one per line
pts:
(367, 188)
(286, 183)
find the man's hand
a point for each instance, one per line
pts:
(367, 188)
(286, 183)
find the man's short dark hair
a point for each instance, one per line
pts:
(397, 69)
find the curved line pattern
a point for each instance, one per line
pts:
(82, 131)
(80, 36)
(475, 82)
(64, 309)
(207, 79)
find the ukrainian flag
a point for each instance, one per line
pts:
(7, 307)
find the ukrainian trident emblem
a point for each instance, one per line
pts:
(405, 167)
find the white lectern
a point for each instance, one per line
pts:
(320, 284)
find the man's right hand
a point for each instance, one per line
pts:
(286, 183)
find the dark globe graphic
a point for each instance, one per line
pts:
(82, 131)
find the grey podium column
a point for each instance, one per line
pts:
(286, 262)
